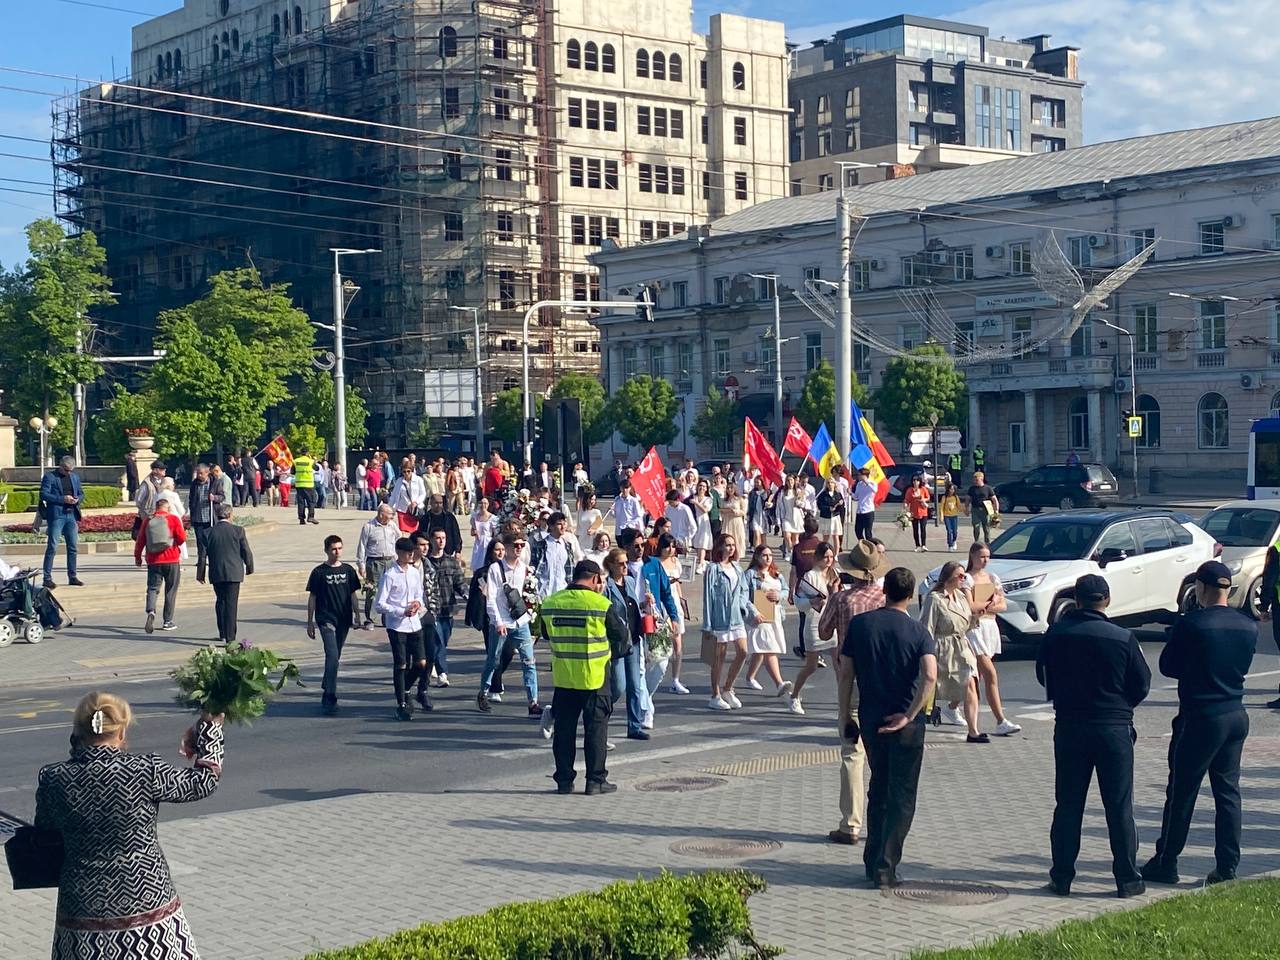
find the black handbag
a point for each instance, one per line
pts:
(35, 857)
(515, 600)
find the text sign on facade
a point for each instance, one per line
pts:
(1013, 301)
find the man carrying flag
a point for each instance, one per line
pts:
(867, 451)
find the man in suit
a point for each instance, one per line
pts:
(230, 561)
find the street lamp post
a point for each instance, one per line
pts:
(479, 404)
(339, 372)
(1133, 390)
(43, 428)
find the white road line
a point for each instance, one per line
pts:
(1264, 673)
(1042, 715)
(665, 752)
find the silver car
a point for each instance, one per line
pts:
(1246, 529)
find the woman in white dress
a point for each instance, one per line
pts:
(811, 595)
(483, 526)
(766, 641)
(700, 503)
(984, 637)
(590, 520)
(790, 514)
(674, 570)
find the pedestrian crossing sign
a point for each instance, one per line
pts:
(1135, 426)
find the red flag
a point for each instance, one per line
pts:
(279, 452)
(649, 481)
(760, 455)
(798, 441)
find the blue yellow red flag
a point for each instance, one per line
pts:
(823, 452)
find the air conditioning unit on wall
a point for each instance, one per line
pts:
(996, 252)
(1251, 381)
(1098, 240)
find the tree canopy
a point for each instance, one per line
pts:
(589, 392)
(817, 402)
(719, 418)
(643, 411)
(912, 390)
(507, 417)
(314, 404)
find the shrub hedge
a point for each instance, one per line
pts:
(666, 918)
(24, 496)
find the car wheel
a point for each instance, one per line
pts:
(1006, 503)
(1253, 602)
(1187, 597)
(1034, 509)
(1066, 503)
(1061, 607)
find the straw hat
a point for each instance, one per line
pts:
(864, 562)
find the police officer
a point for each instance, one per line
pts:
(955, 467)
(1208, 652)
(979, 459)
(1094, 673)
(1270, 599)
(304, 486)
(582, 630)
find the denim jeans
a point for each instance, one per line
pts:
(520, 638)
(444, 631)
(953, 529)
(62, 525)
(333, 637)
(627, 676)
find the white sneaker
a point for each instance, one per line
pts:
(678, 687)
(1006, 727)
(785, 689)
(795, 707)
(646, 722)
(732, 699)
(495, 698)
(754, 684)
(924, 549)
(952, 718)
(717, 703)
(609, 745)
(442, 680)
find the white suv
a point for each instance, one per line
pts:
(1148, 557)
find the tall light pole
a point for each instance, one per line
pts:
(339, 372)
(780, 431)
(479, 404)
(524, 339)
(44, 428)
(1133, 390)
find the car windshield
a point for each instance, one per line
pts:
(1057, 540)
(1100, 474)
(1241, 526)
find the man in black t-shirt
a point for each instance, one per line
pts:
(979, 496)
(332, 587)
(895, 662)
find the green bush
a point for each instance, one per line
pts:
(25, 496)
(667, 918)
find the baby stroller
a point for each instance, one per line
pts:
(28, 611)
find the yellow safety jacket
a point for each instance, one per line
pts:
(304, 475)
(573, 621)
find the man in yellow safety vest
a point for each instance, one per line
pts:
(582, 630)
(304, 486)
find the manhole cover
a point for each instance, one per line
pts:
(680, 784)
(948, 893)
(725, 848)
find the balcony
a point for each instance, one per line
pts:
(1147, 361)
(1211, 359)
(1091, 373)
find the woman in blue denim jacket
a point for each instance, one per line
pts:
(726, 613)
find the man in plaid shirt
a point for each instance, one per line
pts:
(865, 564)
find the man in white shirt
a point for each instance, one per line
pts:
(546, 477)
(399, 600)
(560, 554)
(681, 518)
(469, 482)
(746, 479)
(362, 485)
(409, 494)
(628, 511)
(509, 621)
(864, 494)
(375, 551)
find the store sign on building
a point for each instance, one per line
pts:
(1014, 301)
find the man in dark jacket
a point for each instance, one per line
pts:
(437, 518)
(200, 504)
(230, 561)
(452, 582)
(60, 499)
(1208, 652)
(1270, 600)
(1095, 674)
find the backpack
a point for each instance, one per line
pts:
(159, 538)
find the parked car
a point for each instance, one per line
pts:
(1149, 558)
(1061, 485)
(900, 475)
(1246, 529)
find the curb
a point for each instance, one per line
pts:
(92, 547)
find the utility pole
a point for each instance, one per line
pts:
(1133, 390)
(77, 417)
(479, 398)
(339, 353)
(844, 330)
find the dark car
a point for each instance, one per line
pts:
(1062, 485)
(900, 475)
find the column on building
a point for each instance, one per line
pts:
(1031, 429)
(614, 367)
(1095, 425)
(975, 422)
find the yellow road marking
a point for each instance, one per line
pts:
(179, 656)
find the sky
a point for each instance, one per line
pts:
(1150, 65)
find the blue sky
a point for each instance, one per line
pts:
(1151, 65)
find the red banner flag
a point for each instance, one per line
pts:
(649, 481)
(756, 449)
(798, 441)
(279, 452)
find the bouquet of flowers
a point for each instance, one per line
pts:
(235, 680)
(521, 508)
(903, 519)
(659, 641)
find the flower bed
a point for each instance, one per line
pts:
(24, 497)
(96, 527)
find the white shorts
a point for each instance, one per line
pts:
(732, 635)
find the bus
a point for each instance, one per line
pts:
(1264, 460)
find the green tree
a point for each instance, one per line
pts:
(818, 397)
(424, 434)
(304, 436)
(912, 391)
(589, 392)
(125, 410)
(314, 404)
(719, 418)
(506, 420)
(644, 412)
(44, 313)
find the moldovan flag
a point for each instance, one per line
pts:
(279, 452)
(797, 442)
(649, 481)
(867, 451)
(759, 454)
(823, 452)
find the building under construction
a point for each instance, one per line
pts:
(485, 147)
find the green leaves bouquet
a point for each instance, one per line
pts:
(235, 680)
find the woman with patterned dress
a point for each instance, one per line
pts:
(115, 895)
(700, 503)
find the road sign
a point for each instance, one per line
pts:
(1135, 426)
(926, 449)
(920, 435)
(949, 436)
(920, 441)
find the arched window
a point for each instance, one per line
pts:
(675, 68)
(215, 53)
(235, 39)
(608, 61)
(159, 66)
(573, 55)
(177, 61)
(590, 56)
(642, 63)
(1149, 411)
(168, 63)
(659, 65)
(297, 19)
(1212, 428)
(224, 6)
(739, 77)
(1275, 405)
(499, 44)
(448, 43)
(275, 24)
(1078, 424)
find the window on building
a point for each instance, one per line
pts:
(575, 111)
(658, 66)
(764, 288)
(612, 228)
(1275, 231)
(1041, 144)
(722, 289)
(680, 298)
(453, 226)
(962, 263)
(1078, 251)
(1149, 411)
(452, 104)
(740, 131)
(910, 335)
(595, 173)
(675, 68)
(580, 291)
(1212, 238)
(702, 74)
(502, 168)
(659, 121)
(590, 56)
(861, 274)
(1212, 425)
(215, 54)
(677, 124)
(501, 103)
(740, 185)
(369, 63)
(706, 184)
(275, 24)
(705, 128)
(982, 115)
(500, 46)
(1078, 424)
(646, 231)
(506, 226)
(1213, 325)
(661, 179)
(452, 160)
(642, 62)
(595, 231)
(739, 77)
(608, 59)
(578, 229)
(813, 272)
(593, 114)
(1048, 112)
(629, 362)
(297, 20)
(506, 289)
(658, 360)
(611, 174)
(644, 121)
(223, 7)
(1012, 120)
(826, 181)
(610, 114)
(911, 271)
(448, 43)
(645, 171)
(1139, 240)
(1020, 258)
(177, 61)
(1146, 328)
(576, 175)
(1081, 343)
(1021, 334)
(720, 351)
(812, 350)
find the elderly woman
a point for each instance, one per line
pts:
(115, 895)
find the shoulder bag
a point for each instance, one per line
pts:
(515, 602)
(35, 856)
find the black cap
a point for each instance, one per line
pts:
(1213, 573)
(1092, 588)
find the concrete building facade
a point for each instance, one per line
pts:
(485, 148)
(929, 94)
(951, 257)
